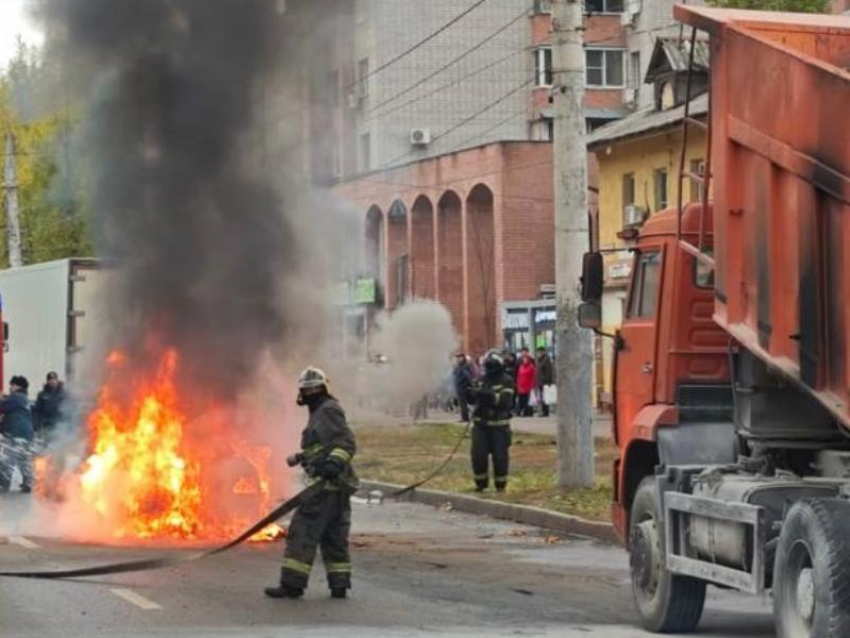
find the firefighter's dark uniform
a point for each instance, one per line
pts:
(325, 519)
(493, 398)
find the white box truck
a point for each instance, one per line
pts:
(53, 315)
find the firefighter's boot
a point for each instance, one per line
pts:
(339, 592)
(284, 591)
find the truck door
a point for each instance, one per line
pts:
(636, 360)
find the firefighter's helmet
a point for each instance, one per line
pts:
(494, 362)
(312, 378)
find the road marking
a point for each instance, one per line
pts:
(137, 599)
(23, 542)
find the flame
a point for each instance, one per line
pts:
(145, 479)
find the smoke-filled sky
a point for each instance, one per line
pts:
(202, 238)
(14, 22)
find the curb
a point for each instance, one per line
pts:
(524, 514)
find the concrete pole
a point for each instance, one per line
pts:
(13, 223)
(574, 353)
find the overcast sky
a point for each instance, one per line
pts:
(13, 21)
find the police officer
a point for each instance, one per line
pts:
(324, 520)
(16, 436)
(493, 398)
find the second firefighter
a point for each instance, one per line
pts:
(493, 398)
(324, 520)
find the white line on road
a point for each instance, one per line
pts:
(23, 542)
(137, 599)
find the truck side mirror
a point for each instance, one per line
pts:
(590, 315)
(592, 277)
(5, 331)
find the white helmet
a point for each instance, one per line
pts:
(312, 378)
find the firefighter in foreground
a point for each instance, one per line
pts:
(327, 447)
(493, 398)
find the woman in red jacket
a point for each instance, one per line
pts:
(526, 381)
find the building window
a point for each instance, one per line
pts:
(332, 89)
(543, 66)
(660, 181)
(605, 67)
(634, 70)
(542, 6)
(365, 152)
(697, 167)
(603, 6)
(543, 130)
(363, 77)
(628, 189)
(645, 286)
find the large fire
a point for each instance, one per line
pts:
(148, 478)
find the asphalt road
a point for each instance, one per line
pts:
(419, 571)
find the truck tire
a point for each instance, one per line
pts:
(666, 603)
(811, 585)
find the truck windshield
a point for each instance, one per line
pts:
(644, 297)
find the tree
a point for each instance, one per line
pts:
(53, 218)
(799, 6)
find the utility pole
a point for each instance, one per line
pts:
(574, 353)
(13, 222)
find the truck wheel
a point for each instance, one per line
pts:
(667, 603)
(811, 585)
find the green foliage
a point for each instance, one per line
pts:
(53, 216)
(799, 6)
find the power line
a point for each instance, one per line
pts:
(418, 45)
(464, 55)
(447, 85)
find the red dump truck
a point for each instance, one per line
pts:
(732, 375)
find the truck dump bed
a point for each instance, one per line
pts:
(780, 131)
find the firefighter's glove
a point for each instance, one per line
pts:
(331, 469)
(295, 459)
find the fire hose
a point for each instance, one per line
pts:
(159, 563)
(279, 512)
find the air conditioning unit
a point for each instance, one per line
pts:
(630, 97)
(354, 101)
(633, 215)
(420, 136)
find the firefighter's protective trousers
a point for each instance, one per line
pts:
(491, 431)
(322, 522)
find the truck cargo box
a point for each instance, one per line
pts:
(780, 131)
(53, 314)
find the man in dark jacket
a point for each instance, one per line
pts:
(493, 398)
(48, 407)
(545, 376)
(327, 447)
(463, 376)
(16, 436)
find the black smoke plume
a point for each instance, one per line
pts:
(199, 236)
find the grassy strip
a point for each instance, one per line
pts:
(404, 454)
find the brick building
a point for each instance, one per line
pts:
(445, 148)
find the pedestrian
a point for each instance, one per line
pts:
(324, 520)
(48, 408)
(493, 397)
(463, 377)
(545, 377)
(16, 436)
(510, 370)
(526, 382)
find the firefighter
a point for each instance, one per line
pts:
(16, 436)
(327, 447)
(493, 398)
